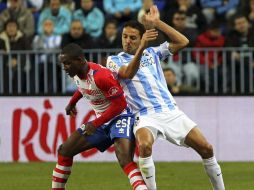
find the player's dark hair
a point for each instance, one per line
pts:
(137, 25)
(73, 51)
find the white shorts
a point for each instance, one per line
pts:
(172, 126)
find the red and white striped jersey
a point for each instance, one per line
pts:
(99, 87)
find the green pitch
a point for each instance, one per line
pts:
(108, 176)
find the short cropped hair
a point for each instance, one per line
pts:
(137, 25)
(73, 51)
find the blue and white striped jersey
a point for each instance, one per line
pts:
(147, 92)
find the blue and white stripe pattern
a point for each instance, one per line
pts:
(147, 92)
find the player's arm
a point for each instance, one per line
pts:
(132, 68)
(71, 107)
(177, 40)
(113, 91)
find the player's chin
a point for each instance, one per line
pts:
(128, 50)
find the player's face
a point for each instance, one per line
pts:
(71, 66)
(130, 40)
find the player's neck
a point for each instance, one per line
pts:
(84, 71)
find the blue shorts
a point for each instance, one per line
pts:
(120, 127)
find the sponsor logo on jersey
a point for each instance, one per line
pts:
(92, 92)
(112, 65)
(146, 60)
(113, 90)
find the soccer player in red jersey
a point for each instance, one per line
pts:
(113, 124)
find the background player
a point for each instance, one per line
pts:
(105, 95)
(154, 106)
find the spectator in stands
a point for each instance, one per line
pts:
(60, 16)
(186, 70)
(23, 16)
(122, 10)
(35, 4)
(3, 5)
(91, 17)
(13, 39)
(173, 86)
(110, 39)
(179, 22)
(144, 10)
(242, 37)
(248, 10)
(210, 60)
(2, 45)
(78, 36)
(194, 16)
(47, 41)
(218, 9)
(69, 4)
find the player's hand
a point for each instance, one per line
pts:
(150, 19)
(149, 35)
(90, 129)
(71, 110)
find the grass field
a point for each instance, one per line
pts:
(108, 176)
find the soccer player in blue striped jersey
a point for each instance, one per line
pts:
(157, 115)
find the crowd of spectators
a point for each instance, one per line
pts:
(95, 24)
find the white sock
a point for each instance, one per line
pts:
(214, 172)
(147, 168)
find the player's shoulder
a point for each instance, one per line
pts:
(99, 71)
(114, 58)
(94, 66)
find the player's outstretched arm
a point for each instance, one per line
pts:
(132, 68)
(177, 40)
(71, 107)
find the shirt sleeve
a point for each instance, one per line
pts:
(162, 51)
(108, 84)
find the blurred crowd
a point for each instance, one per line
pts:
(96, 24)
